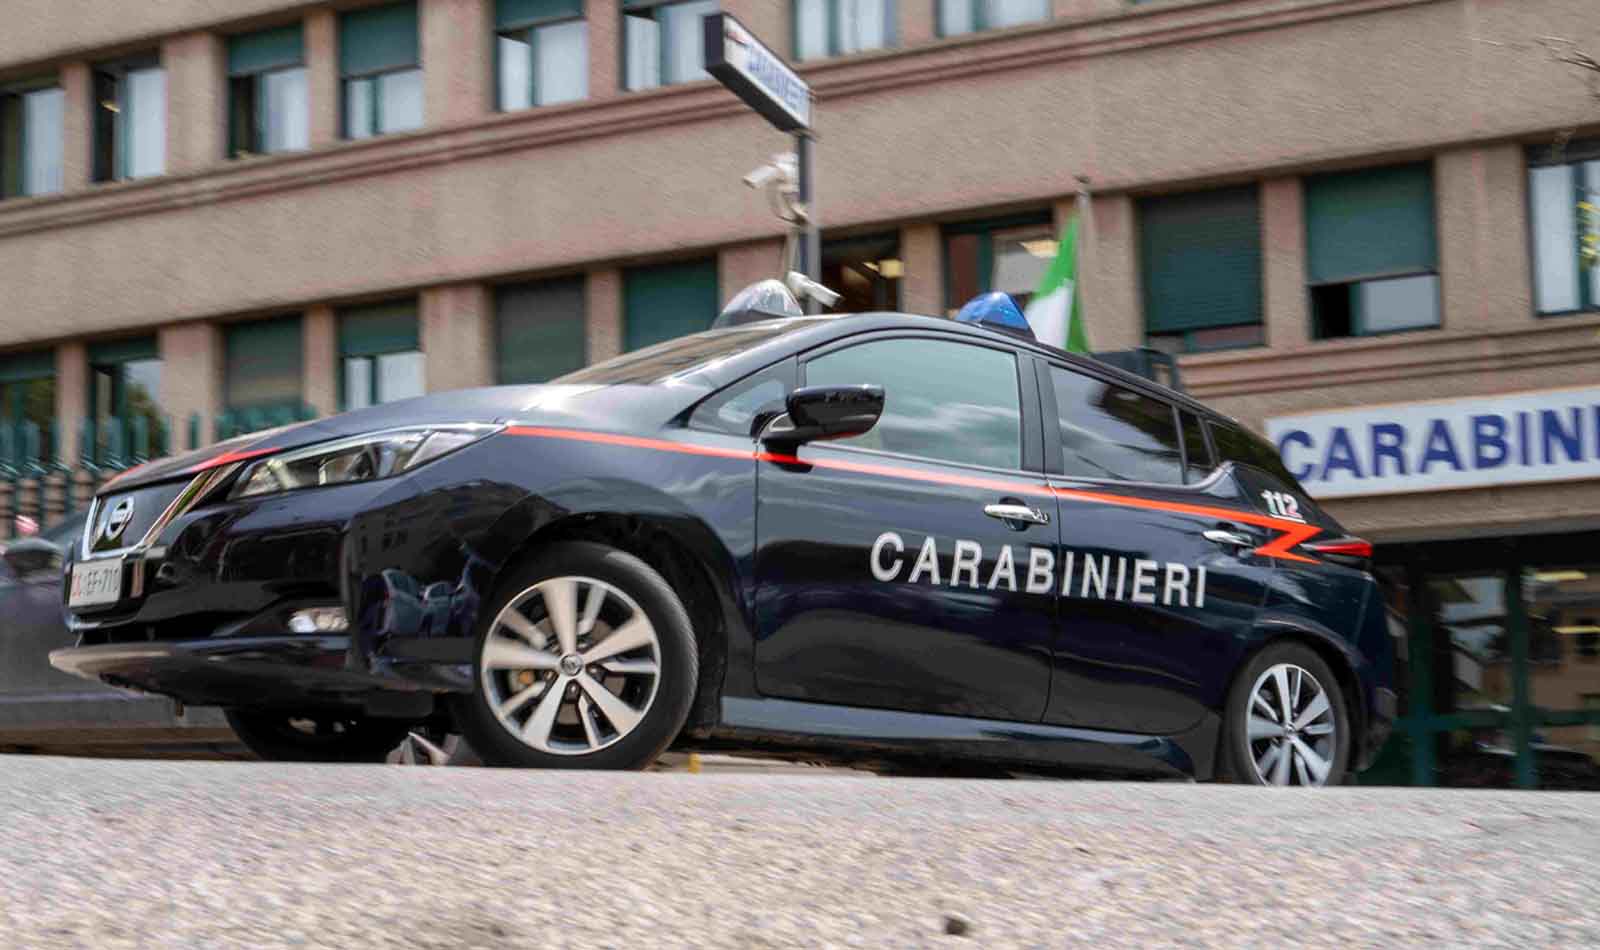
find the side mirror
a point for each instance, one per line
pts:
(826, 412)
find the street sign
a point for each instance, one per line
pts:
(756, 74)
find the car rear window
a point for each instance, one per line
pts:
(1236, 445)
(1110, 432)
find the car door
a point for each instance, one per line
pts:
(1160, 581)
(893, 568)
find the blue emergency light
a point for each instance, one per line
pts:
(997, 311)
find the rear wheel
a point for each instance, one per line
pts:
(586, 660)
(1287, 723)
(279, 736)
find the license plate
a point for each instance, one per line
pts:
(96, 583)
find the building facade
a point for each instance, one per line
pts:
(1360, 223)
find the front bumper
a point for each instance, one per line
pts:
(289, 671)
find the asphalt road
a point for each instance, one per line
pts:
(225, 854)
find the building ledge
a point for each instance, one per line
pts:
(1425, 353)
(628, 113)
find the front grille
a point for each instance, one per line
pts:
(148, 504)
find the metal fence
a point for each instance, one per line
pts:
(38, 487)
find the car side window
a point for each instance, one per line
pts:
(1197, 453)
(1236, 445)
(1109, 431)
(943, 399)
(734, 409)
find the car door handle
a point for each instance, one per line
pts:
(1021, 513)
(1230, 538)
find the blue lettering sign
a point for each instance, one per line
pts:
(1489, 432)
(1571, 441)
(1340, 455)
(1441, 447)
(1388, 442)
(1298, 437)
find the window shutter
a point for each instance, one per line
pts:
(1201, 259)
(668, 301)
(269, 49)
(1377, 222)
(263, 364)
(20, 367)
(511, 14)
(124, 350)
(377, 39)
(381, 328)
(539, 331)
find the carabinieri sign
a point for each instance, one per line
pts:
(756, 74)
(1458, 443)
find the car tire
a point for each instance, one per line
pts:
(612, 694)
(1257, 750)
(280, 736)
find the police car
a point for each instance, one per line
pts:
(873, 538)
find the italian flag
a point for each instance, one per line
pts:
(1054, 312)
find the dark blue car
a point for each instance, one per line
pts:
(871, 539)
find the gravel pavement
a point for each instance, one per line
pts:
(110, 854)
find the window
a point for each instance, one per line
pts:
(130, 119)
(666, 301)
(865, 271)
(1236, 445)
(380, 357)
(1198, 460)
(1565, 281)
(733, 411)
(824, 28)
(267, 106)
(1372, 251)
(1111, 432)
(125, 400)
(1200, 264)
(27, 405)
(30, 139)
(542, 52)
(664, 42)
(972, 16)
(950, 401)
(261, 369)
(539, 330)
(1010, 255)
(381, 65)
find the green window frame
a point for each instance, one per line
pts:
(380, 52)
(261, 67)
(961, 17)
(24, 106)
(540, 330)
(1200, 269)
(836, 42)
(375, 340)
(1564, 252)
(125, 421)
(667, 65)
(129, 130)
(270, 349)
(978, 238)
(1369, 234)
(27, 406)
(665, 301)
(525, 28)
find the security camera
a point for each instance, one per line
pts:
(803, 286)
(782, 170)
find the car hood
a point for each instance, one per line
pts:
(624, 408)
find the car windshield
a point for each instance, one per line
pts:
(686, 354)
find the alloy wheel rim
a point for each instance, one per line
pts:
(570, 666)
(1292, 733)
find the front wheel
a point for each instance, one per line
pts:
(586, 660)
(1287, 722)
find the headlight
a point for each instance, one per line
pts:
(357, 459)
